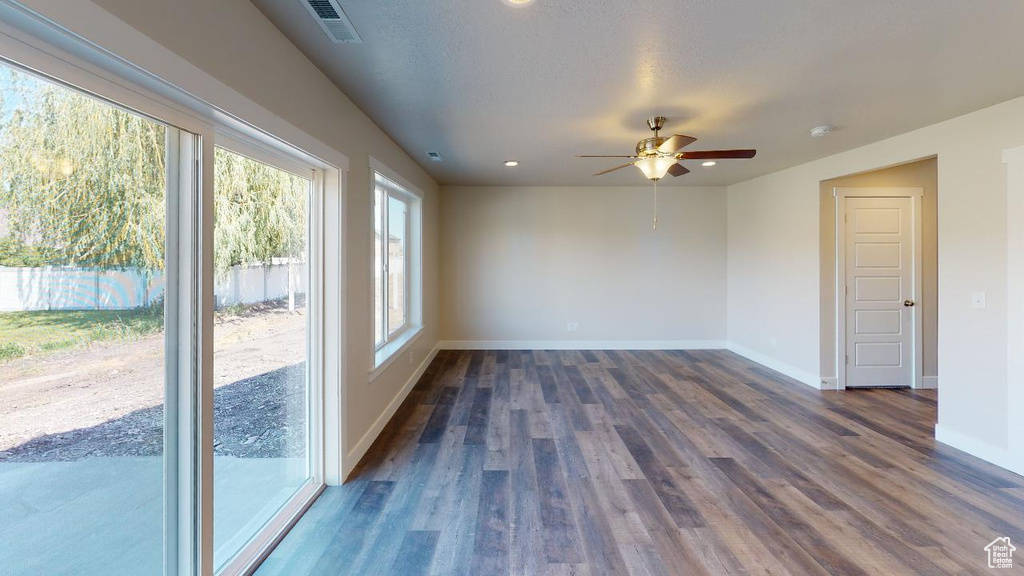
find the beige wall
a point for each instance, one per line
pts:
(233, 42)
(922, 174)
(775, 266)
(521, 263)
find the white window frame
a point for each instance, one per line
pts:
(394, 185)
(32, 42)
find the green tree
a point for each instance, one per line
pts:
(83, 183)
(260, 212)
(81, 177)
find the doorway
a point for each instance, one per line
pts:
(878, 245)
(921, 174)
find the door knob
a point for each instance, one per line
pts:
(909, 302)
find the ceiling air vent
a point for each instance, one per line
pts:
(333, 20)
(435, 156)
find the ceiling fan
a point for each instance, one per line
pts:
(658, 156)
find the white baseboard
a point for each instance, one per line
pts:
(582, 345)
(359, 450)
(829, 383)
(791, 371)
(930, 382)
(999, 456)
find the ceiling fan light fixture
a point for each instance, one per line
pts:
(655, 167)
(709, 163)
(511, 163)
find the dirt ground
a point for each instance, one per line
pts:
(108, 399)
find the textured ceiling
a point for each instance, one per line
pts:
(481, 82)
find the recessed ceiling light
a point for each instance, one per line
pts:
(517, 2)
(819, 131)
(709, 163)
(511, 163)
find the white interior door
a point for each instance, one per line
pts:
(880, 287)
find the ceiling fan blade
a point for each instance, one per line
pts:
(599, 156)
(678, 169)
(676, 142)
(716, 154)
(614, 169)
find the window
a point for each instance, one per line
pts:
(396, 266)
(83, 254)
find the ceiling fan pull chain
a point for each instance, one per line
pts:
(655, 204)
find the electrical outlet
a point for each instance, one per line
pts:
(572, 327)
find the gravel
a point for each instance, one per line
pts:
(108, 400)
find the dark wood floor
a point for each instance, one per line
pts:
(620, 463)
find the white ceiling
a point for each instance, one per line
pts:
(481, 82)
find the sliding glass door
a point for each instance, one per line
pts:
(262, 381)
(83, 205)
(161, 390)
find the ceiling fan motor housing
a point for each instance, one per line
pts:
(649, 146)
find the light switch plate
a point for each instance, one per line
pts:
(978, 299)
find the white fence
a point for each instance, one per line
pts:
(251, 284)
(66, 288)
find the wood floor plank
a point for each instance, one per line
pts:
(416, 553)
(526, 533)
(561, 538)
(351, 535)
(548, 385)
(438, 421)
(599, 543)
(385, 536)
(678, 504)
(457, 518)
(476, 428)
(490, 551)
(828, 557)
(664, 534)
(609, 462)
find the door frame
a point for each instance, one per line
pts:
(916, 195)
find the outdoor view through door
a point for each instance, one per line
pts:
(261, 342)
(92, 389)
(83, 203)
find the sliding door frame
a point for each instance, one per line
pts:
(33, 43)
(248, 558)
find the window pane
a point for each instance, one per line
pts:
(398, 215)
(82, 207)
(378, 267)
(261, 395)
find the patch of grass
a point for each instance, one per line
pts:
(56, 345)
(233, 310)
(45, 331)
(11, 350)
(256, 308)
